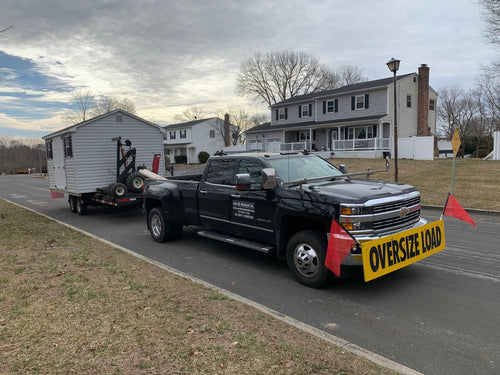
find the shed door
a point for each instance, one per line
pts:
(59, 170)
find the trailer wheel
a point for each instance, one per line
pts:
(72, 200)
(118, 190)
(160, 229)
(81, 206)
(305, 255)
(135, 182)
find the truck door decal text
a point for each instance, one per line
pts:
(244, 210)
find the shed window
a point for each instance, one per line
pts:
(68, 146)
(48, 147)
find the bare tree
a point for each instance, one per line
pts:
(190, 114)
(457, 110)
(80, 106)
(491, 17)
(276, 76)
(349, 75)
(107, 104)
(488, 94)
(241, 119)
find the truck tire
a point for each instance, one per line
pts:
(160, 229)
(118, 190)
(72, 200)
(135, 182)
(305, 256)
(81, 206)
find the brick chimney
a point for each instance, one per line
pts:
(423, 101)
(227, 132)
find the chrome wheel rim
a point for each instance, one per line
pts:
(306, 260)
(156, 226)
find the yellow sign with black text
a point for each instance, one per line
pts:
(390, 253)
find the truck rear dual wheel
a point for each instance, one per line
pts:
(73, 201)
(305, 256)
(81, 206)
(160, 229)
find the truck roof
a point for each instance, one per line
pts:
(263, 155)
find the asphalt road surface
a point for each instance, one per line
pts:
(438, 316)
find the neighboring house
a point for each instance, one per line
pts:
(83, 157)
(352, 121)
(190, 138)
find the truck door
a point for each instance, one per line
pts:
(214, 194)
(252, 211)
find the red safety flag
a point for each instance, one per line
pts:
(339, 245)
(454, 209)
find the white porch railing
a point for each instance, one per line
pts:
(295, 146)
(362, 144)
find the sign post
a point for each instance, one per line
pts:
(455, 143)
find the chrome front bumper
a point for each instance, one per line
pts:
(357, 259)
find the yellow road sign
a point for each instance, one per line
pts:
(455, 142)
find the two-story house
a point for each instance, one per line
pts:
(353, 121)
(192, 137)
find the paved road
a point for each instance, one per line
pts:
(439, 316)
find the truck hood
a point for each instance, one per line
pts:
(359, 190)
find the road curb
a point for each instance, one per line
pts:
(346, 345)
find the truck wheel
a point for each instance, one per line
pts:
(118, 190)
(135, 182)
(72, 200)
(160, 229)
(305, 256)
(81, 206)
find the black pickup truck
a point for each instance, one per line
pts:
(281, 204)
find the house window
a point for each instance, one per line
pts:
(183, 134)
(305, 111)
(360, 102)
(330, 106)
(48, 147)
(68, 146)
(408, 101)
(361, 132)
(282, 114)
(172, 135)
(304, 136)
(432, 105)
(212, 133)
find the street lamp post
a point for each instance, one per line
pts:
(393, 65)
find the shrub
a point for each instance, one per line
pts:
(180, 159)
(203, 157)
(167, 160)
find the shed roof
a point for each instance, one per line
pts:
(73, 128)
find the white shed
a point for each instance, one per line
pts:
(83, 157)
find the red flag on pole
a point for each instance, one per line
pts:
(339, 245)
(454, 209)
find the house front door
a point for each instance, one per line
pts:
(335, 137)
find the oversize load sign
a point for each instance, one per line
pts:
(390, 253)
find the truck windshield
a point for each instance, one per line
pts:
(305, 167)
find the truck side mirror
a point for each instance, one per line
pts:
(268, 178)
(243, 181)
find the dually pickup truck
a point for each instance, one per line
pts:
(282, 204)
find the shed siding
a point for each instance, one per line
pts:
(93, 164)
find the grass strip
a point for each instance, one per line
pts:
(70, 304)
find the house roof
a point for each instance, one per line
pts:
(189, 123)
(267, 127)
(72, 128)
(362, 86)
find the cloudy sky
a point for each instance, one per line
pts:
(167, 56)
